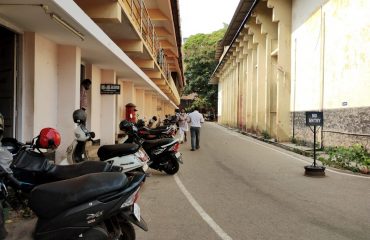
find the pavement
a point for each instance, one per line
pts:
(21, 229)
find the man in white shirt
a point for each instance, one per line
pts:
(195, 119)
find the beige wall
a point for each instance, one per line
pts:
(45, 85)
(331, 55)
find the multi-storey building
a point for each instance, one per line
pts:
(48, 46)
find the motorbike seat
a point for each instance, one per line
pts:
(117, 150)
(149, 144)
(50, 199)
(153, 131)
(63, 172)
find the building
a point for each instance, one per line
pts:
(282, 58)
(48, 46)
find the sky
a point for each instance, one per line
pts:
(205, 16)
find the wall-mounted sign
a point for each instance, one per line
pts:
(110, 89)
(314, 119)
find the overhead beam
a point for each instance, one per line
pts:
(166, 44)
(162, 32)
(130, 45)
(153, 74)
(101, 11)
(143, 63)
(157, 15)
(160, 82)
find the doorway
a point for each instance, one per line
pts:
(8, 66)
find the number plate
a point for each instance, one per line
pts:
(137, 211)
(178, 154)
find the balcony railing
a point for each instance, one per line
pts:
(143, 24)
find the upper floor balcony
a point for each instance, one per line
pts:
(148, 32)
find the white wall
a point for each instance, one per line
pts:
(330, 54)
(46, 84)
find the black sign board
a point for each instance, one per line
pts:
(314, 119)
(110, 89)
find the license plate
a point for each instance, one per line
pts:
(178, 154)
(137, 211)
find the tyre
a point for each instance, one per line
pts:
(128, 231)
(172, 166)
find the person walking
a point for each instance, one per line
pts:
(183, 125)
(195, 119)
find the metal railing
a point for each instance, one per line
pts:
(143, 24)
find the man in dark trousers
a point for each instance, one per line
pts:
(195, 119)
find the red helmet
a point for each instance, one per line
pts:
(49, 138)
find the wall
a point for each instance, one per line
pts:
(45, 85)
(330, 63)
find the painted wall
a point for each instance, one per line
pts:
(330, 68)
(45, 85)
(330, 53)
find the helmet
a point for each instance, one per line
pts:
(154, 118)
(48, 138)
(79, 116)
(140, 123)
(1, 125)
(125, 125)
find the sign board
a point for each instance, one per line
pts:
(314, 119)
(110, 89)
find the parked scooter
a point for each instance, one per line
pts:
(69, 209)
(128, 156)
(31, 167)
(164, 153)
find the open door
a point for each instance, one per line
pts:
(8, 79)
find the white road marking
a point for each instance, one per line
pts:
(221, 233)
(280, 151)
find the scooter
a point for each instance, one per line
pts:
(69, 209)
(164, 153)
(128, 156)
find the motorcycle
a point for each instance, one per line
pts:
(164, 131)
(32, 167)
(164, 153)
(100, 206)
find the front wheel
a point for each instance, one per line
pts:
(172, 166)
(128, 231)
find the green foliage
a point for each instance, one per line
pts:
(200, 62)
(266, 135)
(351, 158)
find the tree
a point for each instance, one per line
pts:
(200, 62)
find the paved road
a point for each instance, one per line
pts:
(241, 188)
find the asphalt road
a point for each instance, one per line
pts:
(235, 187)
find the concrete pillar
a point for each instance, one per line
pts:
(69, 68)
(282, 11)
(108, 109)
(148, 105)
(28, 85)
(140, 103)
(127, 95)
(260, 76)
(93, 113)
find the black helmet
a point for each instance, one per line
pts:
(79, 116)
(1, 125)
(140, 123)
(125, 126)
(154, 118)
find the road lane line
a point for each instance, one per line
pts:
(280, 151)
(221, 233)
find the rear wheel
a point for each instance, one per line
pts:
(172, 166)
(128, 231)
